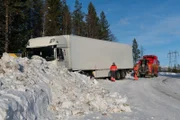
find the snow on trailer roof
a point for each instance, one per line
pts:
(45, 41)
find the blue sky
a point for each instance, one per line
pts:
(154, 23)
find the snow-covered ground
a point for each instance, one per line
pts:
(155, 98)
(37, 90)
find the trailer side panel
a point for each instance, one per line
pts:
(92, 54)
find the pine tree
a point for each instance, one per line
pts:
(136, 51)
(36, 18)
(52, 17)
(169, 69)
(13, 24)
(104, 27)
(77, 17)
(18, 22)
(66, 19)
(6, 26)
(174, 69)
(178, 68)
(2, 26)
(112, 37)
(84, 29)
(92, 25)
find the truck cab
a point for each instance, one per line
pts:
(53, 49)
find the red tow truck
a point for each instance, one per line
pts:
(148, 66)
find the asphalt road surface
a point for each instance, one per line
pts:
(149, 98)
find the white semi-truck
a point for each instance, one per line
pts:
(89, 56)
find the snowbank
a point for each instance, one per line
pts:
(169, 74)
(37, 90)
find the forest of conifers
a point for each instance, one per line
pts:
(21, 20)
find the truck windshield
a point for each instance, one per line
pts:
(44, 52)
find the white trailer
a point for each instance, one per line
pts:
(90, 56)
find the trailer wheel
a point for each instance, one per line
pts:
(123, 74)
(118, 75)
(88, 74)
(109, 75)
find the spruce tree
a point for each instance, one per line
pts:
(6, 47)
(104, 27)
(174, 69)
(36, 18)
(2, 26)
(169, 69)
(178, 68)
(105, 32)
(112, 37)
(52, 18)
(16, 32)
(66, 19)
(92, 25)
(136, 51)
(77, 17)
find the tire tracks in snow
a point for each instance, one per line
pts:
(162, 87)
(149, 98)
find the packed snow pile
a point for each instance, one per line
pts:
(34, 89)
(169, 74)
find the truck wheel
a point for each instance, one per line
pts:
(123, 74)
(156, 75)
(109, 75)
(118, 75)
(153, 74)
(142, 75)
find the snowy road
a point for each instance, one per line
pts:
(149, 98)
